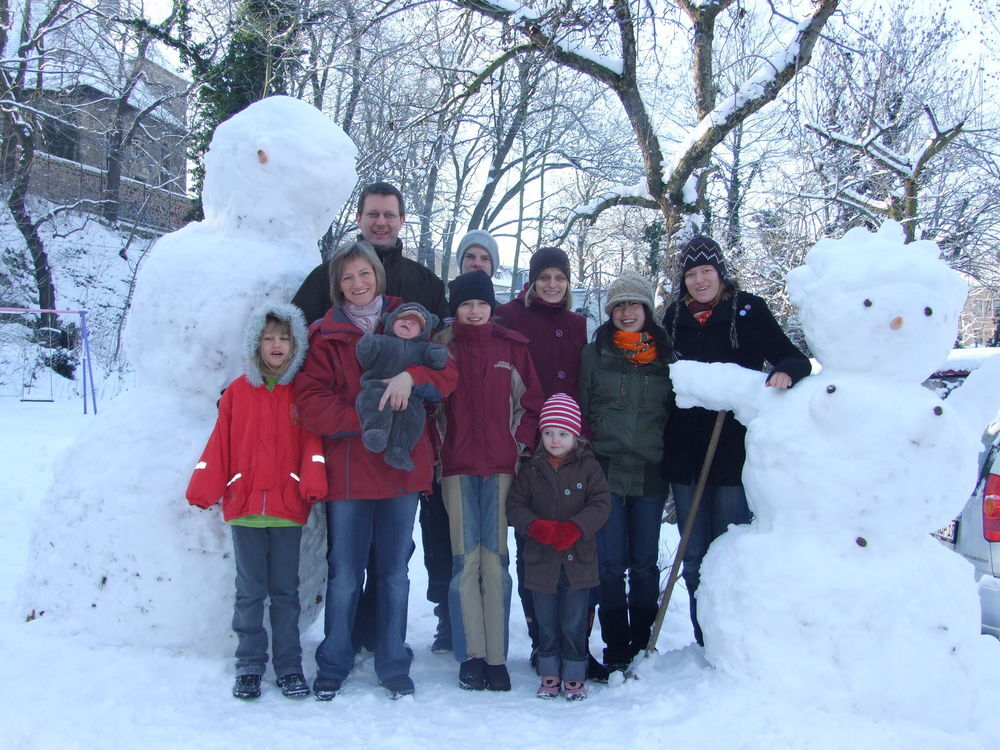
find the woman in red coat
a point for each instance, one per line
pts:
(369, 502)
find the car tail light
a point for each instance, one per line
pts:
(991, 509)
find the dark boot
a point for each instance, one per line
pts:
(442, 636)
(614, 630)
(640, 622)
(472, 674)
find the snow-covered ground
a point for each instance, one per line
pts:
(65, 690)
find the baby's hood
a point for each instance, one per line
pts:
(431, 320)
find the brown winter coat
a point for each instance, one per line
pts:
(577, 492)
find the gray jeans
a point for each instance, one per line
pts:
(267, 565)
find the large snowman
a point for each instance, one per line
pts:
(120, 554)
(836, 592)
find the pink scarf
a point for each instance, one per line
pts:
(365, 317)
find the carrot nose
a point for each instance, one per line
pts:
(896, 323)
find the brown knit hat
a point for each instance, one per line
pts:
(630, 287)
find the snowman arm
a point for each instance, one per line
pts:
(978, 398)
(720, 386)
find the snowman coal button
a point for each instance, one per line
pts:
(938, 410)
(831, 389)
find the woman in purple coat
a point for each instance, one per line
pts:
(543, 313)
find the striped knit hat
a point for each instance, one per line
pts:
(702, 251)
(561, 412)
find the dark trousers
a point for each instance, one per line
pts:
(436, 537)
(527, 601)
(720, 506)
(562, 631)
(267, 565)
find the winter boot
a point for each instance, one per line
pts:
(324, 689)
(549, 687)
(575, 690)
(399, 686)
(615, 631)
(640, 623)
(247, 687)
(472, 674)
(293, 685)
(442, 636)
(497, 678)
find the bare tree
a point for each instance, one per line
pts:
(609, 44)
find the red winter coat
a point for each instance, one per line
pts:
(495, 405)
(259, 459)
(326, 390)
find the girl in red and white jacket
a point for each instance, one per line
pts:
(487, 423)
(267, 468)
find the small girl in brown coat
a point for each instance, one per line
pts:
(558, 502)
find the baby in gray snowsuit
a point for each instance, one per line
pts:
(405, 343)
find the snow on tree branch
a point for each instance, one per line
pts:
(763, 88)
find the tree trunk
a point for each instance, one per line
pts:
(24, 133)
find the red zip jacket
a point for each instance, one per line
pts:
(259, 459)
(326, 390)
(495, 405)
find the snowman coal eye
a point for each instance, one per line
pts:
(928, 312)
(868, 303)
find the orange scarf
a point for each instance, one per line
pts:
(638, 346)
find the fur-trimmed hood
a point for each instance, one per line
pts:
(430, 320)
(255, 329)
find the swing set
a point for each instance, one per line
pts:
(87, 369)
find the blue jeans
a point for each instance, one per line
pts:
(562, 631)
(267, 565)
(720, 506)
(479, 594)
(354, 527)
(630, 541)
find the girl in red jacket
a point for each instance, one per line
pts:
(266, 467)
(488, 422)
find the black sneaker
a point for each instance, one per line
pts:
(247, 687)
(497, 677)
(325, 689)
(397, 687)
(293, 685)
(596, 671)
(472, 674)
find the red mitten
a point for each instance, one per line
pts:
(566, 533)
(543, 531)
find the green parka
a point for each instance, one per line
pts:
(626, 406)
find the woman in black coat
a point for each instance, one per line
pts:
(713, 321)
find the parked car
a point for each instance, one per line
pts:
(975, 534)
